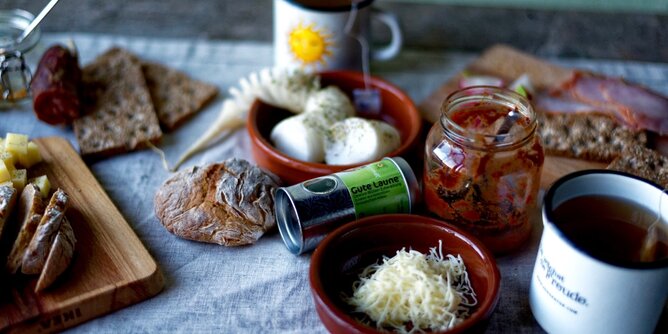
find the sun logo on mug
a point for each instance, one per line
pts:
(311, 46)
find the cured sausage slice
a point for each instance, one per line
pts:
(55, 86)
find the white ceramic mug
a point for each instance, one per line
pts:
(573, 292)
(312, 35)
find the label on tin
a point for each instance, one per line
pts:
(377, 188)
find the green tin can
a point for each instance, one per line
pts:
(306, 212)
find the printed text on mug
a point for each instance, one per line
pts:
(556, 281)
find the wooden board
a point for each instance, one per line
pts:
(111, 268)
(508, 63)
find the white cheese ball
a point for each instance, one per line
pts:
(333, 104)
(356, 140)
(301, 137)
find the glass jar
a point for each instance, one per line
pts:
(483, 163)
(15, 74)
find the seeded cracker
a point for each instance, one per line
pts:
(593, 137)
(643, 162)
(175, 96)
(118, 113)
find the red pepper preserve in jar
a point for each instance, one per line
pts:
(483, 164)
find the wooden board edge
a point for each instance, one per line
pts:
(137, 244)
(148, 281)
(80, 165)
(89, 307)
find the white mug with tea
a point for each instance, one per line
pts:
(598, 270)
(316, 35)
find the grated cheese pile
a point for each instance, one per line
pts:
(427, 291)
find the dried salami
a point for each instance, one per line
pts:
(55, 86)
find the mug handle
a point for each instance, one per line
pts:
(394, 47)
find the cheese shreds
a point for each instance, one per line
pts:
(413, 292)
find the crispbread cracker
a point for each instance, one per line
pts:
(643, 162)
(175, 95)
(119, 115)
(587, 136)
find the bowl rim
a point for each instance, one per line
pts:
(485, 307)
(406, 144)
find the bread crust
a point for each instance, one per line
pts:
(118, 112)
(643, 162)
(229, 203)
(588, 136)
(176, 96)
(30, 212)
(7, 202)
(37, 252)
(60, 256)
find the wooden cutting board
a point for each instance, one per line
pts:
(111, 268)
(508, 63)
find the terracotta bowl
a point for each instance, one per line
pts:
(397, 109)
(341, 256)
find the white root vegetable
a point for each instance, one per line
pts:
(288, 89)
(229, 119)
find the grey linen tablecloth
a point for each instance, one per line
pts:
(261, 288)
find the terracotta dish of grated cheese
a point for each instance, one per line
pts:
(415, 292)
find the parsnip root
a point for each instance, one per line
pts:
(284, 88)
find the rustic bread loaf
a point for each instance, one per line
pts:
(643, 162)
(586, 136)
(118, 112)
(7, 201)
(229, 203)
(175, 95)
(38, 250)
(60, 256)
(30, 212)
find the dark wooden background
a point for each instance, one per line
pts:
(595, 34)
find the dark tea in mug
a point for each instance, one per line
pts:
(609, 228)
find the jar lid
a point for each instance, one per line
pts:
(12, 23)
